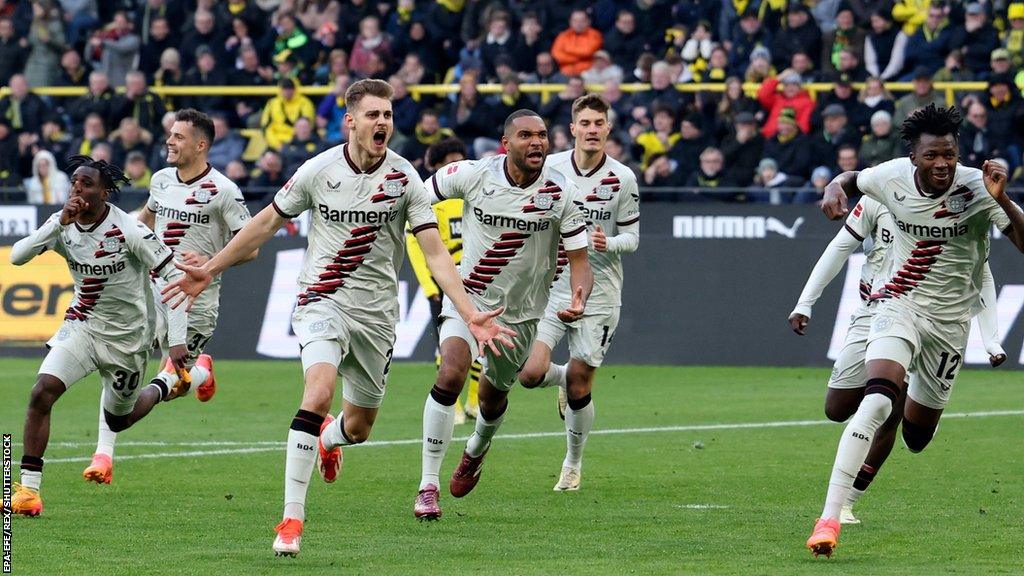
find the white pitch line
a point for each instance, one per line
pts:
(271, 446)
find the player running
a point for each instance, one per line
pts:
(611, 203)
(942, 214)
(449, 223)
(870, 225)
(195, 210)
(110, 324)
(517, 211)
(361, 195)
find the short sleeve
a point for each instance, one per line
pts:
(450, 181)
(862, 219)
(296, 196)
(418, 213)
(629, 203)
(233, 209)
(997, 215)
(573, 226)
(147, 247)
(152, 205)
(869, 182)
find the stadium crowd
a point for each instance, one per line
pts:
(780, 137)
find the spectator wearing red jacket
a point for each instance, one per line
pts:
(792, 96)
(574, 48)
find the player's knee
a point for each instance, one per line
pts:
(917, 437)
(837, 412)
(491, 411)
(450, 378)
(530, 378)
(117, 423)
(317, 397)
(45, 393)
(443, 396)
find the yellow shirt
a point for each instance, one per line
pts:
(449, 224)
(280, 115)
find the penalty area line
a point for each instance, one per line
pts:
(235, 447)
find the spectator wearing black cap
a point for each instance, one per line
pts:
(801, 34)
(692, 141)
(746, 35)
(885, 47)
(835, 132)
(924, 94)
(857, 114)
(1005, 116)
(929, 45)
(743, 149)
(976, 39)
(789, 147)
(282, 111)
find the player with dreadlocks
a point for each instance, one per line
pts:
(109, 326)
(942, 212)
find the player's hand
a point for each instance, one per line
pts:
(994, 176)
(798, 322)
(598, 239)
(485, 330)
(834, 204)
(72, 208)
(575, 310)
(188, 287)
(194, 259)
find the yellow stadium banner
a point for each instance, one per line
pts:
(33, 297)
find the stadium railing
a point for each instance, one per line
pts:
(950, 89)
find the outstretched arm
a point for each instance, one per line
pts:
(824, 271)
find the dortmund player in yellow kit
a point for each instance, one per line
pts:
(449, 223)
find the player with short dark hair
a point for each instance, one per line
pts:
(518, 209)
(942, 213)
(360, 196)
(109, 326)
(611, 203)
(195, 210)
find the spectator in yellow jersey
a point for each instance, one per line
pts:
(282, 111)
(449, 224)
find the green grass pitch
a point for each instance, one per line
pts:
(659, 496)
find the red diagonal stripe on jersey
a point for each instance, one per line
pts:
(327, 287)
(357, 251)
(90, 288)
(394, 175)
(473, 284)
(102, 254)
(549, 188)
(929, 243)
(909, 275)
(500, 253)
(364, 230)
(479, 278)
(562, 261)
(502, 245)
(486, 269)
(115, 231)
(926, 251)
(530, 209)
(333, 276)
(494, 261)
(922, 261)
(342, 267)
(904, 282)
(361, 241)
(919, 269)
(94, 280)
(896, 288)
(177, 226)
(209, 185)
(172, 242)
(174, 233)
(353, 260)
(611, 180)
(514, 236)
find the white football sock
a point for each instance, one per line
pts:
(438, 425)
(298, 468)
(555, 376)
(577, 427)
(482, 435)
(199, 375)
(853, 496)
(853, 449)
(105, 438)
(31, 479)
(334, 434)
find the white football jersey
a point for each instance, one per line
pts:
(940, 243)
(871, 223)
(510, 234)
(357, 229)
(110, 263)
(199, 216)
(610, 199)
